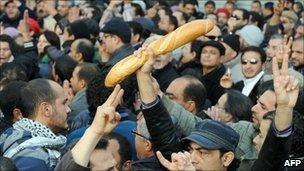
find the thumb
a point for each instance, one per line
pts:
(163, 160)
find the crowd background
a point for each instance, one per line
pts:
(230, 100)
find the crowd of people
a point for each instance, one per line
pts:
(232, 99)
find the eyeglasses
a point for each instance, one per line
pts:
(236, 17)
(213, 37)
(107, 35)
(134, 132)
(252, 61)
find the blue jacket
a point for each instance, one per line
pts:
(36, 153)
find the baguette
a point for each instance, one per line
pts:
(165, 44)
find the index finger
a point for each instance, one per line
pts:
(275, 68)
(285, 65)
(115, 96)
(25, 15)
(289, 43)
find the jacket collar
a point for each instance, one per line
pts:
(216, 74)
(119, 54)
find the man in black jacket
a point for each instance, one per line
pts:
(212, 69)
(252, 60)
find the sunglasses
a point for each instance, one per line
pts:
(236, 17)
(134, 132)
(252, 61)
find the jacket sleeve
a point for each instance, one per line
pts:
(53, 52)
(274, 152)
(67, 163)
(161, 128)
(185, 120)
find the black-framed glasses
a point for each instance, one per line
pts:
(236, 17)
(213, 37)
(134, 132)
(252, 61)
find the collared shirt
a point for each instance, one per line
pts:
(11, 59)
(250, 83)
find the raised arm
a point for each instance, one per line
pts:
(158, 120)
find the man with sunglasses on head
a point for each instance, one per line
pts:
(252, 64)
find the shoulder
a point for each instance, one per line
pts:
(37, 157)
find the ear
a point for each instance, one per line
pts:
(193, 54)
(83, 84)
(17, 114)
(46, 109)
(227, 158)
(228, 117)
(127, 165)
(171, 27)
(136, 37)
(56, 78)
(148, 145)
(191, 106)
(79, 57)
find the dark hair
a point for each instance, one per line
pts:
(192, 2)
(210, 2)
(87, 71)
(10, 99)
(96, 13)
(86, 48)
(258, 2)
(265, 86)
(290, 1)
(35, 92)
(173, 21)
(195, 91)
(238, 105)
(12, 72)
(297, 144)
(64, 67)
(245, 13)
(7, 164)
(257, 50)
(102, 144)
(256, 17)
(93, 26)
(52, 38)
(14, 47)
(136, 28)
(196, 46)
(138, 10)
(269, 5)
(97, 93)
(124, 147)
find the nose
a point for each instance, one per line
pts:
(192, 157)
